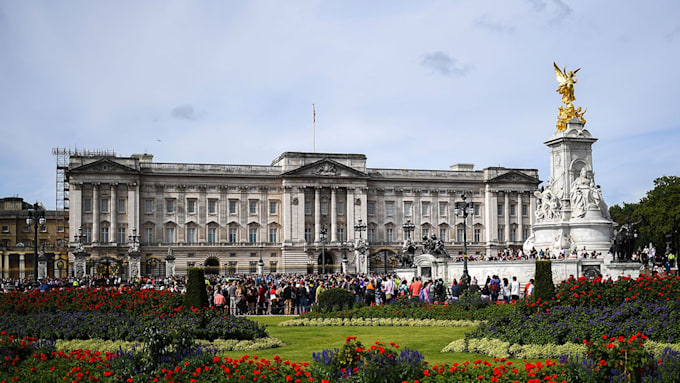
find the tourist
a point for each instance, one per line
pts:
(415, 287)
(514, 289)
(529, 288)
(506, 290)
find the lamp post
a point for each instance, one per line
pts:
(463, 211)
(323, 234)
(360, 226)
(345, 246)
(36, 218)
(260, 264)
(361, 248)
(408, 228)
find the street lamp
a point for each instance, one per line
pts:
(323, 234)
(408, 228)
(463, 210)
(260, 264)
(36, 218)
(360, 226)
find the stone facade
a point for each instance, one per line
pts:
(17, 241)
(228, 217)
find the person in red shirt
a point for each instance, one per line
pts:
(415, 287)
(219, 300)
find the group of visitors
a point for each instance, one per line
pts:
(293, 294)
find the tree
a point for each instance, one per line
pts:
(544, 287)
(660, 210)
(196, 295)
(620, 213)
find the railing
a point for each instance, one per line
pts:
(237, 169)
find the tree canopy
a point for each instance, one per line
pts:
(659, 211)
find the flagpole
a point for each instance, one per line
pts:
(313, 128)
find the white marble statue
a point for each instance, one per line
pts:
(549, 205)
(584, 194)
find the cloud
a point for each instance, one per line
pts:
(443, 64)
(493, 26)
(561, 10)
(673, 34)
(184, 112)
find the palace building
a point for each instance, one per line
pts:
(300, 214)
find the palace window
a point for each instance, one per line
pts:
(191, 206)
(212, 206)
(442, 209)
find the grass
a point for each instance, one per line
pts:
(303, 341)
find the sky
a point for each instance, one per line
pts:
(410, 84)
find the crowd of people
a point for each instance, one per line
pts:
(291, 294)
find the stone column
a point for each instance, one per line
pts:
(334, 213)
(350, 214)
(22, 266)
(95, 213)
(317, 214)
(5, 266)
(489, 215)
(286, 215)
(114, 213)
(520, 219)
(75, 210)
(506, 203)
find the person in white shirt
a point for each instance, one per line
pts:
(514, 289)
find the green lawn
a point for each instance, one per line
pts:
(303, 341)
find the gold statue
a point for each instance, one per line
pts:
(567, 79)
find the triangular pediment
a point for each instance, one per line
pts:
(325, 168)
(104, 165)
(514, 176)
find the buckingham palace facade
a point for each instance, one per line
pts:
(301, 214)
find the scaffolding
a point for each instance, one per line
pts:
(63, 156)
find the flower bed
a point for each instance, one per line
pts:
(585, 309)
(622, 359)
(110, 314)
(407, 322)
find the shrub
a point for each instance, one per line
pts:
(196, 295)
(335, 300)
(544, 288)
(377, 363)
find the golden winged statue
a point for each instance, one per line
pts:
(567, 79)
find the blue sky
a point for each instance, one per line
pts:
(420, 85)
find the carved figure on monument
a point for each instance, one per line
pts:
(80, 270)
(408, 250)
(134, 269)
(438, 248)
(428, 245)
(567, 79)
(584, 193)
(549, 205)
(561, 241)
(361, 251)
